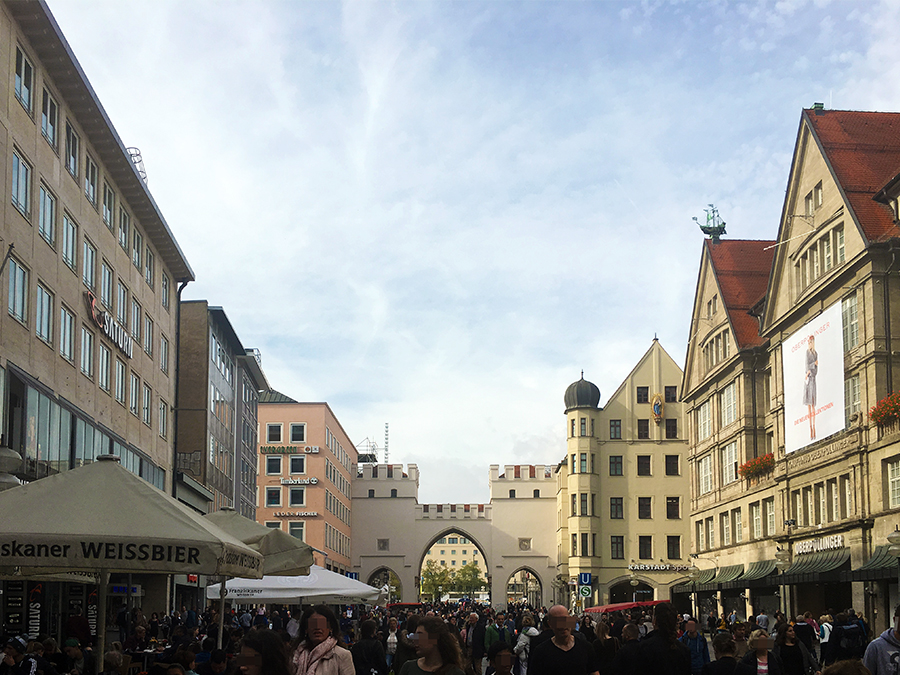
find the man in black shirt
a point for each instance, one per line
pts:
(563, 654)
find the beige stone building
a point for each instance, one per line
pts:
(621, 489)
(90, 274)
(304, 476)
(823, 355)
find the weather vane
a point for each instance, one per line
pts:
(715, 226)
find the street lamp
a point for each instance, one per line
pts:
(782, 562)
(894, 540)
(693, 573)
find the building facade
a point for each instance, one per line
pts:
(91, 273)
(821, 491)
(622, 487)
(304, 476)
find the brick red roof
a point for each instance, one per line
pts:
(742, 269)
(863, 148)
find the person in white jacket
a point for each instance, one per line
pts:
(523, 644)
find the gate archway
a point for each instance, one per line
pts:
(385, 576)
(454, 565)
(524, 586)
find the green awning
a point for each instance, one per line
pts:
(728, 573)
(881, 565)
(758, 571)
(809, 568)
(704, 577)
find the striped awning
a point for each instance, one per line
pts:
(881, 565)
(810, 568)
(758, 571)
(725, 574)
(704, 577)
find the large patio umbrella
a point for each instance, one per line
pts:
(282, 553)
(319, 586)
(103, 518)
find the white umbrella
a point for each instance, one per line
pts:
(319, 586)
(103, 518)
(282, 553)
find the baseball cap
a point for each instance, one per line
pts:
(20, 644)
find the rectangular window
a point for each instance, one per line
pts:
(672, 468)
(145, 405)
(47, 215)
(673, 547)
(87, 352)
(671, 394)
(120, 382)
(755, 521)
(769, 505)
(24, 80)
(21, 184)
(106, 284)
(163, 354)
(148, 335)
(615, 465)
(728, 404)
(44, 318)
(124, 228)
(822, 504)
(725, 520)
(582, 463)
(273, 433)
(585, 551)
(839, 244)
(738, 526)
(615, 429)
(137, 249)
(671, 428)
(710, 533)
(91, 179)
(134, 395)
(850, 321)
(643, 465)
(825, 252)
(136, 315)
(164, 290)
(69, 240)
(673, 508)
(149, 268)
(643, 394)
(122, 303)
(18, 290)
(109, 205)
(49, 118)
(298, 496)
(704, 428)
(273, 496)
(584, 426)
(893, 484)
(66, 334)
(584, 504)
(574, 504)
(298, 464)
(88, 264)
(617, 547)
(298, 433)
(163, 419)
(72, 150)
(273, 466)
(852, 403)
(729, 463)
(705, 471)
(295, 529)
(701, 536)
(644, 508)
(643, 428)
(645, 547)
(103, 367)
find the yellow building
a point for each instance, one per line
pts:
(820, 507)
(454, 552)
(622, 487)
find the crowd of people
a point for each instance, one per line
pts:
(465, 638)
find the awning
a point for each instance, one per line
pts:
(704, 577)
(811, 567)
(757, 572)
(727, 573)
(881, 565)
(622, 606)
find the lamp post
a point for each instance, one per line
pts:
(693, 573)
(782, 562)
(894, 540)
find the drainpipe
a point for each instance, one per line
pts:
(753, 389)
(181, 286)
(887, 321)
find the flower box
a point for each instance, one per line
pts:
(758, 466)
(887, 410)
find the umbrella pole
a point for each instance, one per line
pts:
(222, 593)
(101, 620)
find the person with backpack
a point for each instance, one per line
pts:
(847, 640)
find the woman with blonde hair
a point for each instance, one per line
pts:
(759, 660)
(522, 648)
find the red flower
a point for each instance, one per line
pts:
(757, 466)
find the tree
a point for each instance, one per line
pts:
(468, 579)
(435, 579)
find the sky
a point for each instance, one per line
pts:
(436, 214)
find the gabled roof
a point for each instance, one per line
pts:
(863, 150)
(742, 269)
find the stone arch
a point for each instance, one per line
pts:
(621, 590)
(447, 531)
(381, 576)
(532, 598)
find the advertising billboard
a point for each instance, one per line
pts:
(813, 370)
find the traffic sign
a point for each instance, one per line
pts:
(584, 591)
(584, 578)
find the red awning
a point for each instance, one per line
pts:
(624, 605)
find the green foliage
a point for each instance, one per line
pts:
(435, 579)
(468, 579)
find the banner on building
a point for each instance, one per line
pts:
(813, 369)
